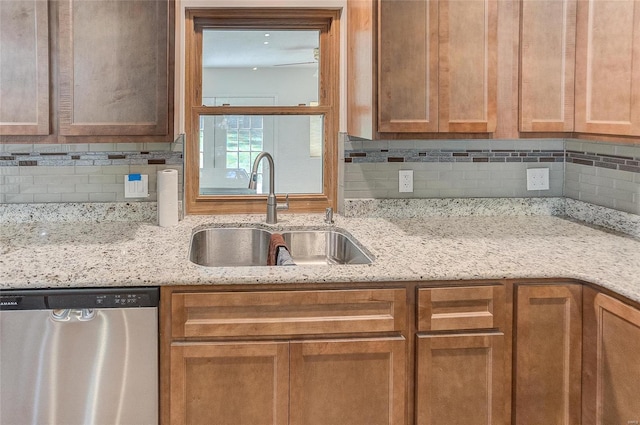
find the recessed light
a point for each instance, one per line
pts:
(266, 42)
(267, 34)
(255, 68)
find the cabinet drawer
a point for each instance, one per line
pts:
(443, 309)
(225, 314)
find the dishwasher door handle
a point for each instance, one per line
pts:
(61, 315)
(87, 314)
(65, 315)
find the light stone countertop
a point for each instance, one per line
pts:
(85, 254)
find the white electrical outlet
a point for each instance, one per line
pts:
(405, 181)
(538, 179)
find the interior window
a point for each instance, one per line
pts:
(261, 80)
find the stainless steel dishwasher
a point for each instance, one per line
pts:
(79, 356)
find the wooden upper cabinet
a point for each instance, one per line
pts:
(608, 67)
(420, 66)
(24, 67)
(547, 63)
(468, 31)
(408, 66)
(114, 77)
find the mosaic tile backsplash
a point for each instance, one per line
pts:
(602, 174)
(80, 173)
(454, 155)
(59, 159)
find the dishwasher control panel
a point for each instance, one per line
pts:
(79, 298)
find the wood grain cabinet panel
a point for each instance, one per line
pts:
(478, 307)
(548, 352)
(460, 379)
(230, 383)
(274, 313)
(611, 361)
(115, 68)
(24, 67)
(467, 81)
(349, 382)
(608, 67)
(547, 63)
(433, 67)
(408, 66)
(247, 358)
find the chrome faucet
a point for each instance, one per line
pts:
(272, 205)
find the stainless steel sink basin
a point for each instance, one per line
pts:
(230, 247)
(249, 246)
(324, 247)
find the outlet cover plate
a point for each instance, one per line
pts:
(538, 179)
(136, 188)
(405, 181)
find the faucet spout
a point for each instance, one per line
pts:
(272, 205)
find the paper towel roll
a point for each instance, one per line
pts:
(167, 198)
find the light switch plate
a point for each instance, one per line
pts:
(134, 188)
(538, 179)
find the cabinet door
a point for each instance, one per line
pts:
(460, 379)
(611, 361)
(608, 67)
(548, 354)
(547, 52)
(468, 32)
(114, 68)
(24, 67)
(348, 382)
(408, 66)
(230, 383)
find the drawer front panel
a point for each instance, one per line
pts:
(238, 314)
(444, 309)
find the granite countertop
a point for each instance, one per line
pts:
(83, 254)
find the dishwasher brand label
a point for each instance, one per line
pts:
(10, 301)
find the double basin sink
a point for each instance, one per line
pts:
(249, 246)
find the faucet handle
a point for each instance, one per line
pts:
(284, 206)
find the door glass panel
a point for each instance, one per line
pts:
(258, 64)
(229, 145)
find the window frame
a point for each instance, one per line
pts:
(327, 21)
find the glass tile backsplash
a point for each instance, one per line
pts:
(603, 174)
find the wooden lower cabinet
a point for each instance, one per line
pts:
(230, 383)
(460, 379)
(547, 352)
(348, 382)
(611, 373)
(519, 352)
(300, 357)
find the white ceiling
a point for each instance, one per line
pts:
(247, 48)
